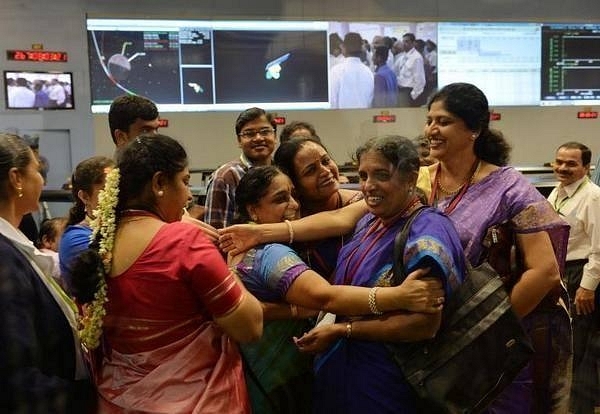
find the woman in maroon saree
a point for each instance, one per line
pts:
(173, 308)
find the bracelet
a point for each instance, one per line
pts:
(348, 329)
(294, 310)
(373, 301)
(290, 231)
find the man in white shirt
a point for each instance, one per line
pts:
(577, 200)
(21, 96)
(351, 82)
(411, 74)
(56, 94)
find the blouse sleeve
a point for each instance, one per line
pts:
(278, 267)
(433, 242)
(208, 274)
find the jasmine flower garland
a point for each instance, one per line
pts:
(104, 225)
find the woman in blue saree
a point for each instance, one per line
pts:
(356, 373)
(279, 377)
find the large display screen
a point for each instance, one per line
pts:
(502, 59)
(192, 65)
(202, 65)
(570, 64)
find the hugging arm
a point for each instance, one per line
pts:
(400, 326)
(241, 237)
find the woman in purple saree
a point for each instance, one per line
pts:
(473, 187)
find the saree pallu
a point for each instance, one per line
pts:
(199, 373)
(506, 195)
(284, 374)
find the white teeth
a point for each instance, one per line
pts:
(374, 199)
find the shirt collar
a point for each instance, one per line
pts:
(43, 260)
(569, 190)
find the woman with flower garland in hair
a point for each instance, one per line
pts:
(159, 298)
(41, 364)
(86, 182)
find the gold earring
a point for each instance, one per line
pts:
(20, 192)
(161, 193)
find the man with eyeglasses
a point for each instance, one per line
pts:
(256, 136)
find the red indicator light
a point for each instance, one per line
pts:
(384, 118)
(587, 115)
(163, 123)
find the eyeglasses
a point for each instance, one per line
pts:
(251, 133)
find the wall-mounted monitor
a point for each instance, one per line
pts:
(570, 64)
(38, 90)
(502, 59)
(209, 65)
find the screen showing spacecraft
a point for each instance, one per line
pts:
(208, 65)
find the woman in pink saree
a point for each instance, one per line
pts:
(173, 308)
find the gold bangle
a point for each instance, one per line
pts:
(373, 301)
(348, 329)
(290, 231)
(294, 310)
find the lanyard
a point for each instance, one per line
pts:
(561, 204)
(379, 227)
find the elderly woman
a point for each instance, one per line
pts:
(279, 377)
(41, 364)
(356, 373)
(86, 182)
(315, 177)
(472, 185)
(172, 305)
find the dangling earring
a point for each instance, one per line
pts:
(161, 193)
(20, 192)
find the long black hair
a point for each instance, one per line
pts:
(469, 103)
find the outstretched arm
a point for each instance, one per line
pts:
(239, 238)
(310, 290)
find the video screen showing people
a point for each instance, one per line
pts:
(38, 90)
(381, 65)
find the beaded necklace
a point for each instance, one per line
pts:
(458, 195)
(438, 180)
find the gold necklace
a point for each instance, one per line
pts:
(453, 192)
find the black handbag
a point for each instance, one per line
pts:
(479, 349)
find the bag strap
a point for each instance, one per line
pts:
(399, 275)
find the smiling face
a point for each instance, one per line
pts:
(568, 166)
(277, 204)
(317, 175)
(387, 192)
(257, 140)
(448, 135)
